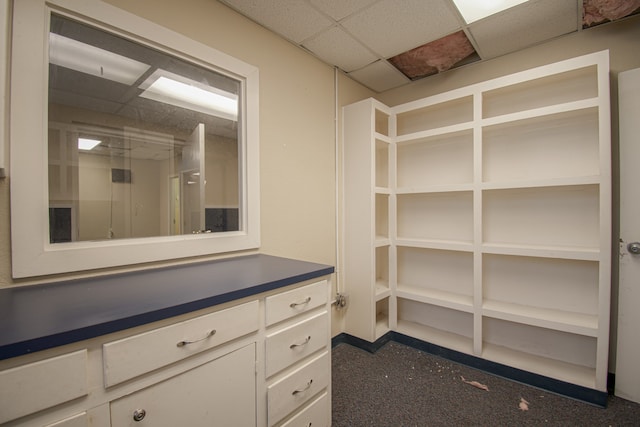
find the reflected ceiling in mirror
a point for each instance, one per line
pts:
(141, 143)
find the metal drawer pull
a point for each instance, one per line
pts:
(305, 342)
(304, 389)
(295, 304)
(209, 334)
(139, 414)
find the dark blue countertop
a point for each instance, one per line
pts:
(38, 317)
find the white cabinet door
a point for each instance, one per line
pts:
(628, 351)
(221, 392)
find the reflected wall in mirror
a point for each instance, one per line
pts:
(140, 143)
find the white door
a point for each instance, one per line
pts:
(193, 180)
(628, 350)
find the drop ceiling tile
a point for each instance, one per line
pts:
(350, 56)
(339, 9)
(524, 25)
(294, 20)
(389, 28)
(379, 76)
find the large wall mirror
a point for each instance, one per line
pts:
(148, 149)
(138, 147)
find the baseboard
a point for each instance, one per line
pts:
(573, 391)
(371, 347)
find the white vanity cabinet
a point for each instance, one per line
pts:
(198, 372)
(261, 359)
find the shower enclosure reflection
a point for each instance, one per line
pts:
(140, 143)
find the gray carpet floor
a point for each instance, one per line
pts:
(402, 386)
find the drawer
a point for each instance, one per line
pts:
(30, 388)
(317, 413)
(296, 301)
(79, 420)
(127, 358)
(291, 392)
(291, 344)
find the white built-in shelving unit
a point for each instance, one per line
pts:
(480, 219)
(369, 208)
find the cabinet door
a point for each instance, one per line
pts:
(221, 392)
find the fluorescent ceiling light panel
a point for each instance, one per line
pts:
(169, 88)
(475, 10)
(88, 59)
(87, 143)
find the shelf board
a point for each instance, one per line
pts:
(566, 321)
(382, 290)
(436, 297)
(382, 326)
(430, 133)
(382, 190)
(448, 245)
(382, 137)
(382, 241)
(436, 336)
(540, 183)
(571, 373)
(562, 252)
(537, 113)
(445, 188)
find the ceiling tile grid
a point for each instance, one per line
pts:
(365, 38)
(389, 28)
(294, 20)
(351, 55)
(340, 9)
(525, 25)
(380, 76)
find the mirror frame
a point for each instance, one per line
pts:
(32, 254)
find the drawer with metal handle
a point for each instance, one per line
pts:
(129, 357)
(294, 390)
(315, 414)
(291, 344)
(291, 303)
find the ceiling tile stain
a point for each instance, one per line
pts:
(434, 57)
(599, 11)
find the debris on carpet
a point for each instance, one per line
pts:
(475, 384)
